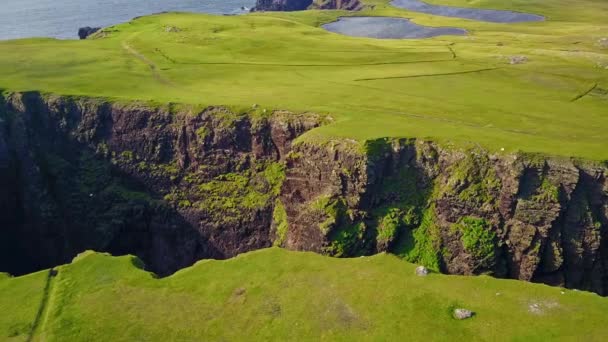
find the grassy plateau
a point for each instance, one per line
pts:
(457, 89)
(452, 89)
(274, 294)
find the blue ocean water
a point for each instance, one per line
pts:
(62, 18)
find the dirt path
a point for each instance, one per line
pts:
(129, 49)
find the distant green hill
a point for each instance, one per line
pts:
(451, 88)
(275, 294)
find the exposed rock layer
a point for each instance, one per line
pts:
(461, 212)
(170, 187)
(177, 185)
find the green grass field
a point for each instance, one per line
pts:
(275, 294)
(449, 89)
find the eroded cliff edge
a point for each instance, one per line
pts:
(175, 185)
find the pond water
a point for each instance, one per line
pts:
(495, 16)
(63, 18)
(387, 28)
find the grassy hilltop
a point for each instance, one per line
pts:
(275, 294)
(449, 88)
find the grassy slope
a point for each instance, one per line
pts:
(20, 300)
(281, 295)
(283, 60)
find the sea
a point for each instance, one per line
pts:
(62, 18)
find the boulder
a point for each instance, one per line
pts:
(422, 271)
(172, 29)
(463, 313)
(518, 59)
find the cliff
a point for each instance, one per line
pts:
(522, 216)
(171, 186)
(174, 184)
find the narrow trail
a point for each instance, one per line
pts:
(427, 75)
(43, 304)
(165, 56)
(580, 96)
(129, 49)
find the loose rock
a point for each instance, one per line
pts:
(518, 59)
(422, 271)
(535, 308)
(172, 29)
(463, 313)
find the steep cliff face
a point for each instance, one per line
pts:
(175, 185)
(461, 212)
(299, 5)
(170, 186)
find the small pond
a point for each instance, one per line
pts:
(387, 28)
(495, 16)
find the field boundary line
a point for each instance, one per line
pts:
(580, 96)
(426, 75)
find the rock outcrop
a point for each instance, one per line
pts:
(282, 5)
(349, 5)
(85, 32)
(299, 5)
(174, 185)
